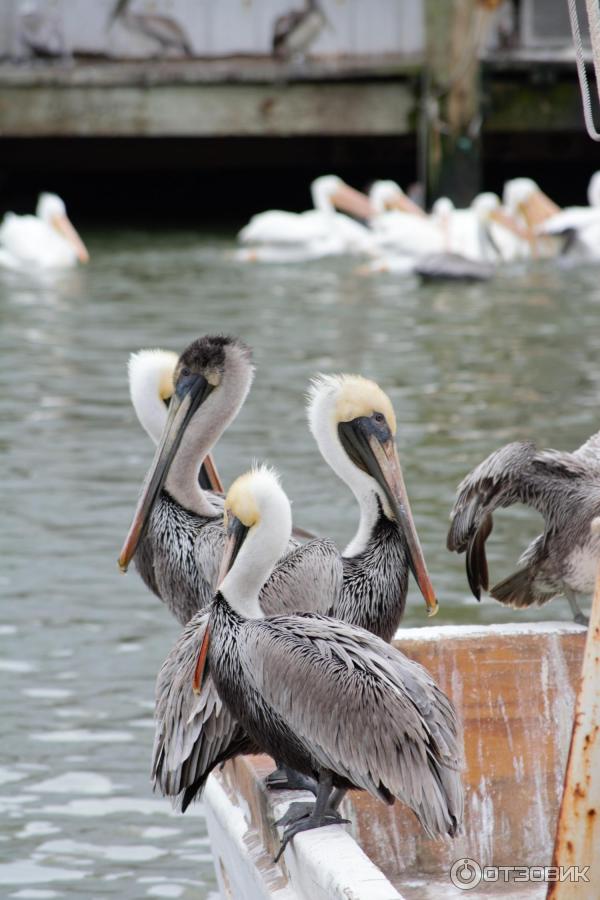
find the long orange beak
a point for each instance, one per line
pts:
(64, 226)
(349, 200)
(404, 204)
(501, 217)
(389, 463)
(181, 409)
(212, 474)
(380, 460)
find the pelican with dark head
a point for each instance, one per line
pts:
(176, 533)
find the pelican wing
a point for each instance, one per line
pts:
(546, 480)
(308, 579)
(280, 227)
(576, 218)
(362, 710)
(194, 733)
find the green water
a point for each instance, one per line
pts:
(468, 368)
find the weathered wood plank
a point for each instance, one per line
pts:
(206, 110)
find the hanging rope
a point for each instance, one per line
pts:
(593, 12)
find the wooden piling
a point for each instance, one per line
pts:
(450, 130)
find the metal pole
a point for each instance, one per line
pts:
(578, 830)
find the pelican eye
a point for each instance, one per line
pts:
(379, 418)
(185, 372)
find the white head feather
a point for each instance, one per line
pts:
(322, 189)
(260, 503)
(382, 193)
(150, 385)
(341, 398)
(593, 191)
(517, 191)
(49, 206)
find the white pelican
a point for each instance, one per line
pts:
(321, 231)
(483, 232)
(399, 225)
(580, 225)
(529, 206)
(46, 239)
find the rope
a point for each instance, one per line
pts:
(593, 11)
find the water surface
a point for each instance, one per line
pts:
(468, 369)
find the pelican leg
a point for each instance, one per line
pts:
(337, 797)
(321, 814)
(284, 778)
(578, 615)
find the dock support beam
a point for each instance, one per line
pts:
(450, 151)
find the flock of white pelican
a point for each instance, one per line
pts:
(395, 234)
(285, 647)
(384, 227)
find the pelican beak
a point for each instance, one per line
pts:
(64, 227)
(191, 391)
(537, 209)
(236, 535)
(377, 455)
(404, 204)
(501, 217)
(349, 200)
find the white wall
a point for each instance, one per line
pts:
(224, 27)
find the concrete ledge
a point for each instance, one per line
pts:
(326, 864)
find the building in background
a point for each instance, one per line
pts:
(134, 91)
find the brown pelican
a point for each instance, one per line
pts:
(165, 31)
(395, 734)
(354, 424)
(294, 32)
(565, 489)
(176, 534)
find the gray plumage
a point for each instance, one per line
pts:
(564, 488)
(178, 557)
(367, 590)
(195, 734)
(324, 696)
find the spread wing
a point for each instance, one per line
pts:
(308, 579)
(363, 710)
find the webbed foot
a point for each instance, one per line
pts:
(296, 811)
(328, 817)
(581, 619)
